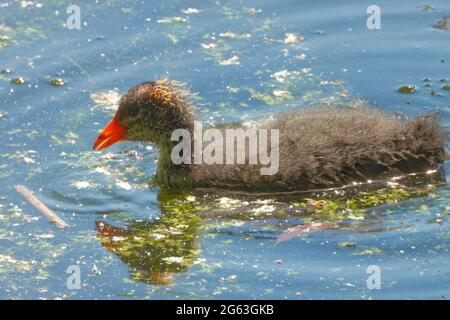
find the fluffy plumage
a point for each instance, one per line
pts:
(323, 147)
(320, 147)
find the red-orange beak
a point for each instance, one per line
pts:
(112, 133)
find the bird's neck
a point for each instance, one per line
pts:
(169, 173)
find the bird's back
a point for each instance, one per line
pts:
(326, 147)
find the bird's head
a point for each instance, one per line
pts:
(149, 112)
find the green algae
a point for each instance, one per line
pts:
(57, 82)
(18, 80)
(68, 138)
(242, 206)
(368, 251)
(21, 34)
(288, 85)
(407, 89)
(347, 244)
(17, 269)
(156, 250)
(173, 20)
(344, 206)
(6, 36)
(269, 99)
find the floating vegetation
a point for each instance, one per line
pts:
(156, 250)
(156, 240)
(232, 35)
(57, 82)
(5, 41)
(407, 89)
(278, 96)
(286, 85)
(68, 138)
(218, 49)
(361, 250)
(22, 34)
(30, 33)
(442, 24)
(343, 206)
(434, 92)
(370, 251)
(18, 80)
(349, 203)
(27, 156)
(347, 244)
(173, 20)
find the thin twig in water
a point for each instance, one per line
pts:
(28, 195)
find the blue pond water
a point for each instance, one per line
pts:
(244, 59)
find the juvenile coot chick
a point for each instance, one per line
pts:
(320, 147)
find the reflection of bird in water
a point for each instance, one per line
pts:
(154, 250)
(320, 147)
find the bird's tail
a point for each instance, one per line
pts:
(429, 137)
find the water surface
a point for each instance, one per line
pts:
(133, 240)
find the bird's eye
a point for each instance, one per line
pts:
(147, 112)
